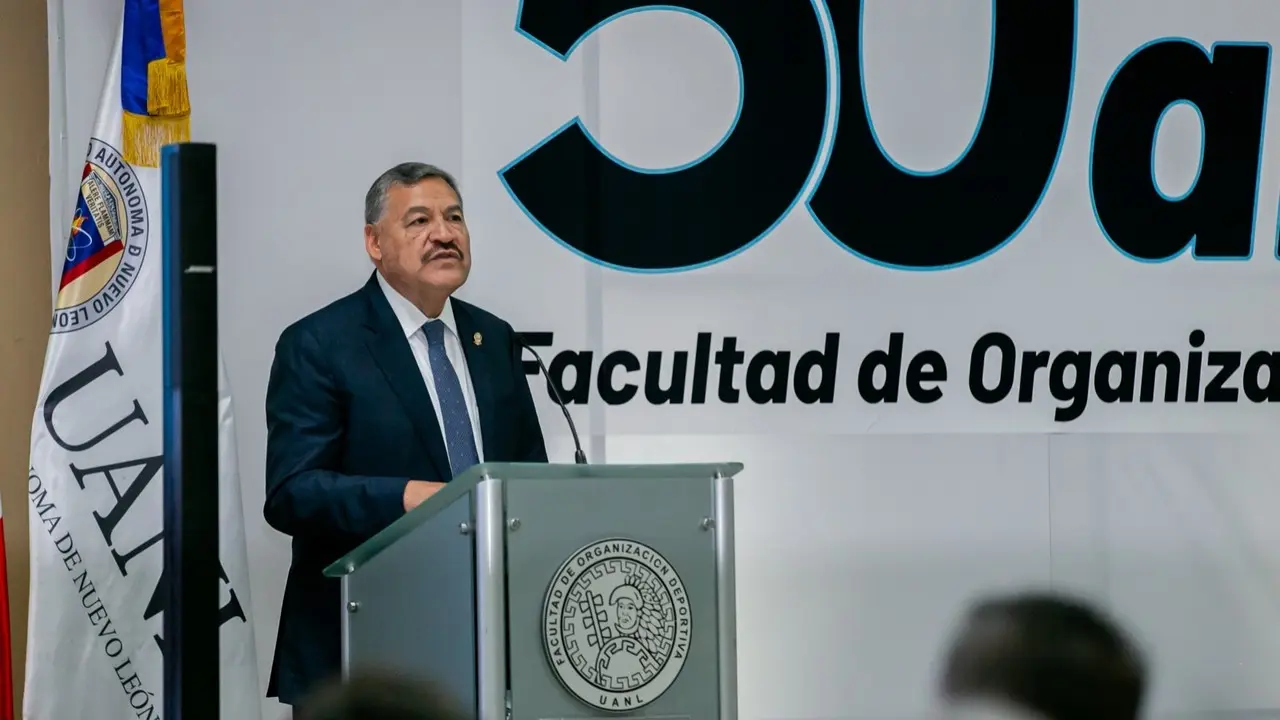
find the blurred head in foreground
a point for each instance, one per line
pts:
(379, 696)
(1044, 656)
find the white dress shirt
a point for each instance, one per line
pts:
(411, 321)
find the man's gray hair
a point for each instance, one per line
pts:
(409, 173)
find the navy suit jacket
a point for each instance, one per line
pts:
(349, 422)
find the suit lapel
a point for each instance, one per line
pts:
(390, 350)
(479, 366)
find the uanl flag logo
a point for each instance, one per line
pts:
(98, 586)
(96, 249)
(108, 241)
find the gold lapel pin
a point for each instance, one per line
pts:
(477, 339)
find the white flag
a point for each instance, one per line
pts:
(96, 477)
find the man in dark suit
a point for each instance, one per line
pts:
(379, 399)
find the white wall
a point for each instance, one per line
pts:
(856, 549)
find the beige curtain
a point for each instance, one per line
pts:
(24, 276)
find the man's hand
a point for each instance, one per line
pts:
(416, 492)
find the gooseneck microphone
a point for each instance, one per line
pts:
(579, 457)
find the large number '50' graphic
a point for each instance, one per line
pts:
(706, 211)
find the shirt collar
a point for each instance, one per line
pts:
(412, 319)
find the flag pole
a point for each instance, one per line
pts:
(191, 653)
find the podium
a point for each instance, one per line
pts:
(533, 591)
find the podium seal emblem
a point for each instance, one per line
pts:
(616, 625)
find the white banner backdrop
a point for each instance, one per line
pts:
(865, 523)
(1057, 330)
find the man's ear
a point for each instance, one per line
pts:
(371, 245)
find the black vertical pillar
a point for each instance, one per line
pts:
(189, 181)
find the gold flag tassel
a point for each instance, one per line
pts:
(169, 114)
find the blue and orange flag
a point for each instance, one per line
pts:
(95, 633)
(155, 110)
(153, 80)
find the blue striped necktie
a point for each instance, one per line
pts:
(458, 435)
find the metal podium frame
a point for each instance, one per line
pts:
(475, 504)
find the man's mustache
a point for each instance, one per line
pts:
(446, 250)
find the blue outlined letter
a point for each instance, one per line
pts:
(680, 218)
(1228, 86)
(930, 221)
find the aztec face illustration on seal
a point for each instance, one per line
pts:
(616, 624)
